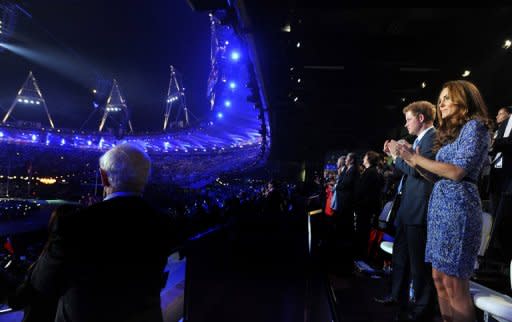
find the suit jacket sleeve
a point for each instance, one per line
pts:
(48, 275)
(502, 144)
(349, 179)
(425, 150)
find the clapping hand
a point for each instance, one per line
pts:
(406, 152)
(405, 143)
(386, 147)
(390, 148)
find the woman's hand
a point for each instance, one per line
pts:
(407, 154)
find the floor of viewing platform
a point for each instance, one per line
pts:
(254, 276)
(172, 295)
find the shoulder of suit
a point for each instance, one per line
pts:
(431, 131)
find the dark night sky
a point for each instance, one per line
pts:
(83, 41)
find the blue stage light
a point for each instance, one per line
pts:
(235, 55)
(232, 85)
(220, 115)
(227, 103)
(62, 142)
(34, 137)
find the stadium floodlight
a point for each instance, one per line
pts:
(286, 28)
(235, 55)
(116, 103)
(8, 17)
(176, 107)
(29, 93)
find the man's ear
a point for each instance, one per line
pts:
(104, 178)
(421, 118)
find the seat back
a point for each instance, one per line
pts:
(386, 210)
(486, 232)
(487, 221)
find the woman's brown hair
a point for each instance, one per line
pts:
(470, 106)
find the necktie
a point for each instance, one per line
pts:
(415, 144)
(400, 185)
(399, 189)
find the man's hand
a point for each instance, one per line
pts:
(403, 142)
(408, 154)
(385, 148)
(390, 148)
(393, 148)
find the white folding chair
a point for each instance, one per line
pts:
(492, 303)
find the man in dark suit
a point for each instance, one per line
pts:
(340, 172)
(412, 285)
(345, 192)
(501, 186)
(106, 261)
(501, 164)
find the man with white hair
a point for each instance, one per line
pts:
(106, 261)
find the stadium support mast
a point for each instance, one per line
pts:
(176, 104)
(29, 93)
(117, 109)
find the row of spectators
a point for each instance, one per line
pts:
(51, 172)
(194, 210)
(197, 140)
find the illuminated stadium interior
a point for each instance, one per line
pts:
(235, 137)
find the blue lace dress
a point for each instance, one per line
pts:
(455, 212)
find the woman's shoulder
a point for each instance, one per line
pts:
(475, 125)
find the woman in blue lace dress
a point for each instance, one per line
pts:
(455, 212)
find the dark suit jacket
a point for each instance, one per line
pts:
(416, 193)
(346, 189)
(106, 262)
(369, 192)
(502, 176)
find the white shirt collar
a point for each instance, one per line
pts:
(422, 134)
